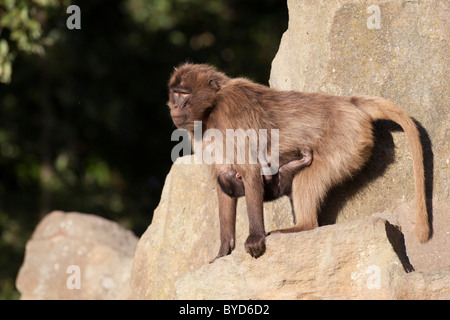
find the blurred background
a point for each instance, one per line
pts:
(83, 119)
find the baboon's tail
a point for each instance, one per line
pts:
(379, 108)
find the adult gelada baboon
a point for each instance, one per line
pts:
(337, 129)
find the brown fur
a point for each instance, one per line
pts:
(338, 130)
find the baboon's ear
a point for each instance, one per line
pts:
(214, 84)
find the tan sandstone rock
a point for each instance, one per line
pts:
(77, 256)
(353, 260)
(361, 259)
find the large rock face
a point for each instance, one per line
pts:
(361, 259)
(394, 49)
(354, 260)
(77, 256)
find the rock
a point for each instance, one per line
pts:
(184, 234)
(344, 260)
(353, 260)
(77, 256)
(337, 47)
(423, 286)
(433, 255)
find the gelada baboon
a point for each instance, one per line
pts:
(337, 129)
(275, 186)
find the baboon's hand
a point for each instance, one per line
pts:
(255, 245)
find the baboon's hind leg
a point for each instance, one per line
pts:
(308, 191)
